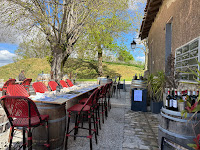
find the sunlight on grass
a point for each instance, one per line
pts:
(35, 66)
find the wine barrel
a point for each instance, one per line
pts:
(137, 84)
(57, 124)
(99, 79)
(4, 122)
(176, 128)
(105, 81)
(140, 84)
(44, 78)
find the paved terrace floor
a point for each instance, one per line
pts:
(123, 130)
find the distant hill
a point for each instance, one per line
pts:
(32, 67)
(84, 69)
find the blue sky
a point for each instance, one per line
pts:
(7, 53)
(7, 50)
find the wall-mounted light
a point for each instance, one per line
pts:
(133, 44)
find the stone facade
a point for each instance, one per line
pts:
(184, 15)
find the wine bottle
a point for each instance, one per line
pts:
(167, 99)
(197, 95)
(171, 100)
(175, 101)
(193, 97)
(135, 78)
(189, 97)
(184, 94)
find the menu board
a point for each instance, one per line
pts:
(186, 60)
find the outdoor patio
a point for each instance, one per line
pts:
(123, 129)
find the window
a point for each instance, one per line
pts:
(186, 59)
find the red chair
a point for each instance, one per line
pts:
(17, 90)
(69, 82)
(22, 112)
(63, 83)
(95, 108)
(39, 87)
(26, 83)
(80, 110)
(103, 102)
(6, 84)
(53, 85)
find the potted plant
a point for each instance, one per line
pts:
(156, 84)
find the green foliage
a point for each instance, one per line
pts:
(156, 85)
(125, 56)
(107, 24)
(37, 47)
(192, 146)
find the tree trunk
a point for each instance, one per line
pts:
(146, 61)
(100, 67)
(57, 64)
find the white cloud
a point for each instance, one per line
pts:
(141, 58)
(6, 57)
(133, 4)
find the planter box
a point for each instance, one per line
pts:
(156, 106)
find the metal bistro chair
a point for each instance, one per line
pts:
(109, 90)
(103, 102)
(69, 82)
(26, 83)
(39, 87)
(6, 84)
(22, 112)
(63, 84)
(95, 109)
(80, 110)
(17, 90)
(52, 85)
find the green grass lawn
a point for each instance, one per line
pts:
(35, 66)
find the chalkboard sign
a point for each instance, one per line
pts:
(186, 59)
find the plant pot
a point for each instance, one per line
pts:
(156, 106)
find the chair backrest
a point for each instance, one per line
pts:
(63, 83)
(7, 83)
(19, 107)
(91, 99)
(96, 97)
(53, 85)
(27, 82)
(39, 87)
(17, 90)
(69, 82)
(103, 89)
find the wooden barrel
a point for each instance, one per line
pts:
(176, 128)
(99, 79)
(44, 78)
(104, 81)
(137, 84)
(140, 84)
(4, 122)
(57, 124)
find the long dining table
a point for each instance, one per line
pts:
(56, 108)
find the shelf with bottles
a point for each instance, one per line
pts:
(181, 99)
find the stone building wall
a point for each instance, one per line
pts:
(185, 18)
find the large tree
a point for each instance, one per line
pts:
(62, 21)
(37, 47)
(101, 35)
